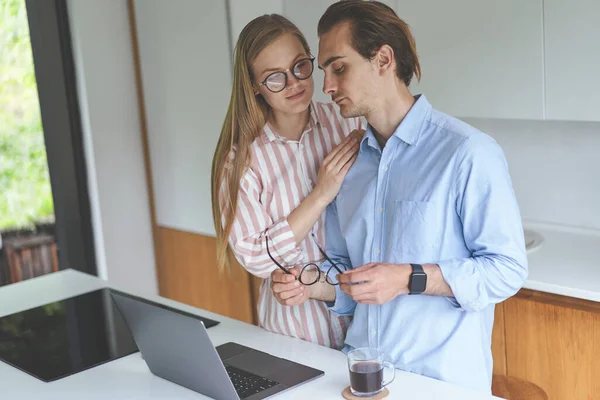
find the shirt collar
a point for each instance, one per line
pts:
(369, 140)
(269, 134)
(409, 130)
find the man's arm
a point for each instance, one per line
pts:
(492, 231)
(378, 283)
(436, 284)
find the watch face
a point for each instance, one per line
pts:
(418, 283)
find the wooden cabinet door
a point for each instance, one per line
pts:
(554, 342)
(498, 342)
(187, 273)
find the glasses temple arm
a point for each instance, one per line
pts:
(333, 264)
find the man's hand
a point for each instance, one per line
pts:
(287, 289)
(376, 283)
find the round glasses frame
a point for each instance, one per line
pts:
(340, 268)
(265, 83)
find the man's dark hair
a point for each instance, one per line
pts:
(373, 24)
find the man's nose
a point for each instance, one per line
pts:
(329, 86)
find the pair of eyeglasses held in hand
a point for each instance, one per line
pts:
(311, 273)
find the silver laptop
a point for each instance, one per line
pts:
(176, 347)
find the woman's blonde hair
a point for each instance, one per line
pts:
(245, 119)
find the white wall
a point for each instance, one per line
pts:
(554, 166)
(113, 146)
(186, 70)
(243, 11)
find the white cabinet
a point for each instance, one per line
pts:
(572, 59)
(510, 59)
(186, 76)
(479, 58)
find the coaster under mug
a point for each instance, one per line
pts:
(379, 396)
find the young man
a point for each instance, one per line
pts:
(427, 213)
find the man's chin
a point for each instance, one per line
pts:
(350, 112)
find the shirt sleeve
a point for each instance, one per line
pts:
(336, 250)
(492, 229)
(252, 225)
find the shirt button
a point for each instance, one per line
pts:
(380, 210)
(385, 168)
(377, 251)
(373, 332)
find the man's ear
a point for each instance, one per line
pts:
(385, 59)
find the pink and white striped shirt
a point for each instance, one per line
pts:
(281, 174)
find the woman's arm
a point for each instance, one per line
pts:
(331, 175)
(252, 223)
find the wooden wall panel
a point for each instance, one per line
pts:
(554, 346)
(498, 342)
(187, 273)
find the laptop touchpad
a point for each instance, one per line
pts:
(257, 362)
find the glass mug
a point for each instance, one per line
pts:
(366, 371)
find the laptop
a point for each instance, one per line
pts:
(176, 347)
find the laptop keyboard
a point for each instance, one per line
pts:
(247, 384)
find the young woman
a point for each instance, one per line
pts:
(280, 159)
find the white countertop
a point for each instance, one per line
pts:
(129, 377)
(567, 263)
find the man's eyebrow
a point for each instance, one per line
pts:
(329, 61)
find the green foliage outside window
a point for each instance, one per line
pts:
(25, 192)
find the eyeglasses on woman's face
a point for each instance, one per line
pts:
(301, 70)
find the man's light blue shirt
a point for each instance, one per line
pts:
(439, 192)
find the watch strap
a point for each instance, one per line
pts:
(418, 268)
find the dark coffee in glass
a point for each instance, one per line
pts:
(366, 377)
(366, 371)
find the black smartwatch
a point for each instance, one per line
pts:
(418, 280)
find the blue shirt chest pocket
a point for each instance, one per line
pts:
(415, 231)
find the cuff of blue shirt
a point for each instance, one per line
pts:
(468, 293)
(343, 304)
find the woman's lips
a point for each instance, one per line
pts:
(296, 96)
